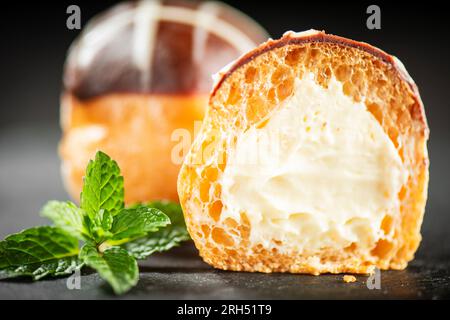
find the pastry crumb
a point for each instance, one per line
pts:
(348, 278)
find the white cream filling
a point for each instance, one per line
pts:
(321, 174)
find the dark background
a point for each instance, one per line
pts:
(34, 41)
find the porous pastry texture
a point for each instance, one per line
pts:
(246, 94)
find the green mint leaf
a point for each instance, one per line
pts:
(137, 222)
(164, 239)
(106, 219)
(67, 216)
(102, 188)
(114, 265)
(39, 270)
(38, 252)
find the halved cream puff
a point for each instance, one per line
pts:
(312, 158)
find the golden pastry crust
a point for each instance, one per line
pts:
(134, 129)
(247, 93)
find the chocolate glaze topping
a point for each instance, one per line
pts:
(160, 47)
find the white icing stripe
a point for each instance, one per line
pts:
(99, 32)
(144, 36)
(200, 35)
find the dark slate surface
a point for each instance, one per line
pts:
(29, 176)
(180, 274)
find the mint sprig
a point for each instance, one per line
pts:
(114, 236)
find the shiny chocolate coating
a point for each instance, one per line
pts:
(157, 47)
